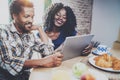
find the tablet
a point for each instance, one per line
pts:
(74, 45)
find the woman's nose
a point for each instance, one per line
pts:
(59, 16)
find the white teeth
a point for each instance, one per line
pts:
(59, 21)
(29, 26)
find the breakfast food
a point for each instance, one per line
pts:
(107, 61)
(87, 76)
(79, 69)
(116, 64)
(103, 61)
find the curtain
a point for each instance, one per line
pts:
(47, 4)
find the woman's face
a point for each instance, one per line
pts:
(60, 18)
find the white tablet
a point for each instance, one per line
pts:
(74, 45)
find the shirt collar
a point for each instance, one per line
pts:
(13, 28)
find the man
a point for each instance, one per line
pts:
(17, 44)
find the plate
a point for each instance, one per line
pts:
(92, 62)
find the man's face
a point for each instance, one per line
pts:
(24, 19)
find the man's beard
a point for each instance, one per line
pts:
(29, 25)
(23, 27)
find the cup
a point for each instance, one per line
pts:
(102, 49)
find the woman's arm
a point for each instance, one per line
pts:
(59, 48)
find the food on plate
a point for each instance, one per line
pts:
(61, 75)
(79, 69)
(87, 76)
(106, 57)
(107, 61)
(116, 64)
(104, 61)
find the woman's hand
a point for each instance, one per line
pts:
(87, 50)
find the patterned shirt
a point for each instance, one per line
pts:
(15, 48)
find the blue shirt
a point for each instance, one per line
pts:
(61, 39)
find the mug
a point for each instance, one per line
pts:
(101, 49)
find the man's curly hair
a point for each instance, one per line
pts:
(69, 25)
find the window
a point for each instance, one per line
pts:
(5, 17)
(4, 12)
(39, 11)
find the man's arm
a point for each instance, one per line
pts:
(7, 61)
(42, 34)
(45, 47)
(14, 64)
(49, 61)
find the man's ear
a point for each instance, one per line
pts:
(14, 16)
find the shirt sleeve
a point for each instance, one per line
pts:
(74, 33)
(44, 49)
(7, 61)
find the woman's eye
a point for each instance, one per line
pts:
(58, 14)
(64, 17)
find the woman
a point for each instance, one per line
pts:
(60, 22)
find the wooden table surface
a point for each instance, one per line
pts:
(45, 73)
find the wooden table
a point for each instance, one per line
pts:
(45, 73)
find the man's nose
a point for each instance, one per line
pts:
(30, 20)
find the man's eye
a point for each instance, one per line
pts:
(26, 16)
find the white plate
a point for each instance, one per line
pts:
(92, 61)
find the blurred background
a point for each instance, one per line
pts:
(98, 17)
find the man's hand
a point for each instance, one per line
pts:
(35, 27)
(52, 60)
(42, 34)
